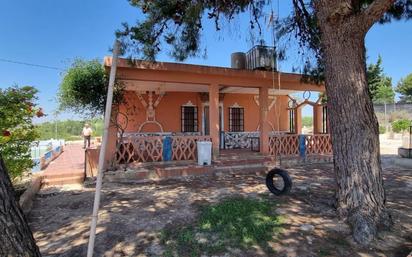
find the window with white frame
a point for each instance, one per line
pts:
(189, 119)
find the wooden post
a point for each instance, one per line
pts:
(263, 120)
(214, 118)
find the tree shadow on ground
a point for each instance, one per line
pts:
(133, 215)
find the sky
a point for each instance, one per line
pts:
(53, 33)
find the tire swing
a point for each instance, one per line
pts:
(278, 181)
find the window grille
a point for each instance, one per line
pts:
(189, 119)
(236, 119)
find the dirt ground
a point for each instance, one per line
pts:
(132, 215)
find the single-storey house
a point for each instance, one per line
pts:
(234, 108)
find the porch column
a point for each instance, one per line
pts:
(298, 120)
(111, 145)
(263, 120)
(214, 118)
(317, 119)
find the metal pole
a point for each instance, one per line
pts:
(55, 125)
(102, 153)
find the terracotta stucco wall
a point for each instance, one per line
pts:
(168, 112)
(251, 111)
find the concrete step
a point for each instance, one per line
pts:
(63, 181)
(63, 174)
(182, 171)
(248, 160)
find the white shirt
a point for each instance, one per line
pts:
(87, 132)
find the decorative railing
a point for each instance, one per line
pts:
(318, 144)
(240, 140)
(155, 134)
(185, 147)
(140, 149)
(158, 148)
(294, 145)
(287, 144)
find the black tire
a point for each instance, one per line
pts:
(287, 181)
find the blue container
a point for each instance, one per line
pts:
(302, 146)
(167, 148)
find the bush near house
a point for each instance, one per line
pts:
(401, 125)
(17, 110)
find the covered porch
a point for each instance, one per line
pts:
(169, 107)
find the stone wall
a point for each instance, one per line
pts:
(407, 108)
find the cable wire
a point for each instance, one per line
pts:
(31, 64)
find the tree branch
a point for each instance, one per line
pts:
(375, 11)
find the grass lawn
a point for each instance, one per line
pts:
(233, 223)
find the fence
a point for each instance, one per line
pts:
(300, 145)
(45, 152)
(239, 140)
(158, 148)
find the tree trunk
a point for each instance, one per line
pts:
(354, 130)
(16, 238)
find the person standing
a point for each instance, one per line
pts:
(87, 134)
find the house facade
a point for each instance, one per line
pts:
(168, 107)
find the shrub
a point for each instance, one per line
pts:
(382, 129)
(401, 125)
(17, 110)
(399, 115)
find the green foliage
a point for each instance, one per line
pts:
(84, 88)
(307, 121)
(68, 129)
(382, 129)
(234, 223)
(17, 110)
(380, 85)
(401, 125)
(405, 89)
(178, 25)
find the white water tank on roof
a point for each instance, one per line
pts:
(238, 60)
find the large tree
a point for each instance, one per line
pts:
(335, 30)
